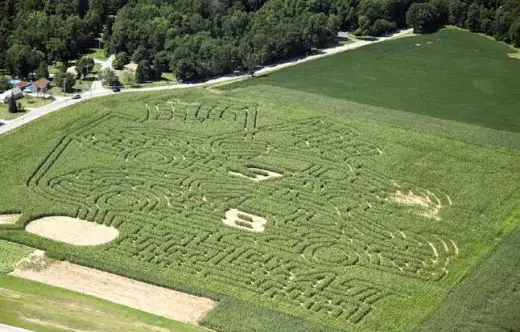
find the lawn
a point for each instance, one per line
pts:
(98, 54)
(28, 102)
(365, 227)
(128, 79)
(452, 74)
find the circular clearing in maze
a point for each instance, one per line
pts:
(72, 231)
(335, 255)
(151, 156)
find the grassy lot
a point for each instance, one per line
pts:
(452, 75)
(81, 85)
(98, 53)
(128, 80)
(487, 300)
(369, 228)
(28, 102)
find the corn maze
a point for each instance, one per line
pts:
(283, 211)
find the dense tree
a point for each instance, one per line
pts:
(65, 81)
(3, 84)
(204, 38)
(42, 71)
(473, 18)
(422, 17)
(85, 66)
(144, 72)
(514, 33)
(22, 60)
(120, 60)
(109, 78)
(12, 105)
(457, 13)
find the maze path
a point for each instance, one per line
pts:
(323, 214)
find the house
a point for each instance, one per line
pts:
(131, 67)
(42, 84)
(14, 92)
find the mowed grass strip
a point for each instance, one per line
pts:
(452, 74)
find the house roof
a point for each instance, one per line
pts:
(131, 66)
(41, 83)
(22, 84)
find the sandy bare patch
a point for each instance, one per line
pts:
(35, 261)
(72, 231)
(259, 175)
(9, 219)
(426, 201)
(245, 221)
(135, 294)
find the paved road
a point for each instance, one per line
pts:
(7, 328)
(98, 91)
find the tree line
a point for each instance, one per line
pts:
(198, 39)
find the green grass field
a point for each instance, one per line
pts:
(452, 74)
(369, 227)
(487, 300)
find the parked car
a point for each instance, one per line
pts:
(116, 89)
(76, 97)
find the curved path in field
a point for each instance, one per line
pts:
(98, 91)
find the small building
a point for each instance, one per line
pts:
(131, 67)
(14, 92)
(73, 70)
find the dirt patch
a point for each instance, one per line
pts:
(35, 261)
(72, 231)
(428, 204)
(9, 219)
(259, 175)
(135, 294)
(244, 221)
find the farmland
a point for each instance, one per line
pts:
(497, 281)
(452, 74)
(340, 222)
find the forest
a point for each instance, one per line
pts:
(199, 39)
